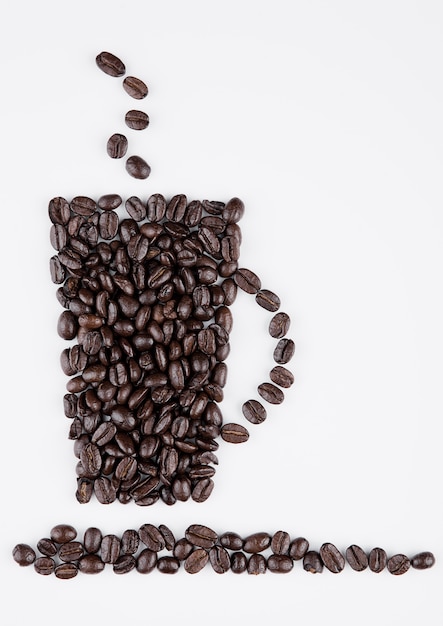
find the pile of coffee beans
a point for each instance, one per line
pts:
(147, 297)
(136, 120)
(155, 548)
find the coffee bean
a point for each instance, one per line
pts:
(104, 490)
(254, 411)
(108, 225)
(70, 551)
(91, 564)
(284, 351)
(398, 564)
(357, 558)
(279, 325)
(62, 533)
(44, 565)
(247, 280)
(92, 539)
(135, 87)
(59, 211)
(332, 558)
(23, 554)
(66, 571)
(219, 559)
(146, 561)
(201, 536)
(298, 548)
(137, 120)
(234, 433)
(281, 376)
(231, 541)
(202, 490)
(67, 325)
(239, 563)
(137, 167)
(271, 393)
(423, 560)
(256, 564)
(280, 542)
(109, 202)
(110, 548)
(280, 563)
(124, 564)
(117, 146)
(84, 206)
(152, 537)
(312, 562)
(268, 300)
(47, 547)
(110, 64)
(377, 560)
(257, 542)
(196, 561)
(168, 565)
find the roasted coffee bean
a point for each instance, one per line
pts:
(254, 411)
(247, 280)
(71, 551)
(44, 565)
(271, 393)
(82, 205)
(377, 560)
(23, 554)
(257, 542)
(108, 224)
(234, 433)
(268, 300)
(312, 562)
(91, 459)
(168, 565)
(201, 536)
(168, 536)
(196, 561)
(135, 87)
(202, 490)
(281, 376)
(219, 559)
(137, 167)
(182, 549)
(109, 202)
(62, 533)
(59, 211)
(357, 558)
(66, 571)
(91, 564)
(137, 120)
(332, 558)
(298, 548)
(67, 325)
(256, 564)
(110, 548)
(279, 325)
(124, 564)
(117, 146)
(146, 561)
(398, 564)
(92, 539)
(423, 560)
(239, 563)
(104, 490)
(110, 64)
(231, 541)
(152, 537)
(280, 542)
(47, 547)
(280, 563)
(84, 491)
(284, 351)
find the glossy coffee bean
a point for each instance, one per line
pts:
(44, 565)
(332, 558)
(196, 561)
(312, 562)
(70, 551)
(146, 561)
(257, 542)
(137, 120)
(234, 433)
(256, 565)
(47, 547)
(377, 560)
(357, 558)
(247, 280)
(254, 411)
(117, 146)
(62, 533)
(284, 351)
(65, 571)
(91, 564)
(279, 325)
(423, 560)
(280, 542)
(92, 539)
(201, 536)
(298, 548)
(271, 393)
(168, 565)
(398, 564)
(110, 64)
(239, 563)
(268, 300)
(280, 563)
(281, 376)
(137, 167)
(135, 87)
(23, 554)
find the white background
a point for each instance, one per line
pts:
(326, 119)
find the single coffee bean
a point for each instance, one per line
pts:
(298, 548)
(423, 560)
(281, 376)
(268, 300)
(254, 411)
(110, 64)
(66, 571)
(280, 542)
(44, 565)
(59, 211)
(377, 560)
(110, 548)
(357, 558)
(146, 561)
(67, 325)
(201, 536)
(256, 564)
(117, 146)
(124, 564)
(182, 549)
(137, 120)
(231, 541)
(219, 559)
(84, 491)
(239, 562)
(234, 433)
(279, 325)
(137, 167)
(257, 542)
(280, 563)
(104, 490)
(284, 351)
(23, 554)
(247, 280)
(109, 202)
(271, 393)
(233, 211)
(130, 542)
(71, 551)
(62, 533)
(312, 562)
(398, 564)
(108, 225)
(91, 564)
(196, 561)
(135, 87)
(92, 539)
(168, 536)
(332, 558)
(152, 537)
(202, 490)
(168, 565)
(82, 205)
(47, 547)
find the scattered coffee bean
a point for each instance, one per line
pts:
(201, 536)
(137, 167)
(62, 533)
(254, 411)
(284, 351)
(247, 280)
(298, 548)
(279, 325)
(423, 560)
(168, 565)
(239, 562)
(196, 561)
(256, 564)
(117, 146)
(47, 547)
(66, 571)
(257, 542)
(135, 87)
(281, 376)
(110, 64)
(398, 564)
(234, 433)
(137, 120)
(268, 300)
(332, 558)
(377, 560)
(357, 558)
(271, 393)
(23, 554)
(312, 562)
(44, 565)
(280, 563)
(280, 542)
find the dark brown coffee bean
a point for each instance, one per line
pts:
(280, 542)
(91, 564)
(377, 560)
(234, 433)
(146, 561)
(66, 571)
(137, 167)
(196, 561)
(423, 560)
(47, 547)
(201, 536)
(67, 325)
(281, 376)
(233, 211)
(82, 205)
(298, 548)
(110, 548)
(256, 565)
(268, 300)
(135, 87)
(92, 539)
(202, 490)
(284, 351)
(104, 433)
(57, 270)
(59, 211)
(357, 558)
(271, 393)
(84, 491)
(108, 225)
(135, 208)
(168, 565)
(104, 490)
(23, 554)
(231, 541)
(91, 459)
(332, 558)
(44, 565)
(247, 280)
(280, 563)
(239, 563)
(312, 562)
(168, 536)
(257, 542)
(58, 236)
(71, 551)
(219, 559)
(62, 533)
(152, 537)
(124, 564)
(254, 411)
(117, 146)
(109, 202)
(110, 64)
(398, 564)
(137, 120)
(279, 325)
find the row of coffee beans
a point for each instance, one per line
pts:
(144, 550)
(147, 298)
(117, 144)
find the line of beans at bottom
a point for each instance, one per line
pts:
(65, 556)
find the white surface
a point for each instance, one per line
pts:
(325, 118)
